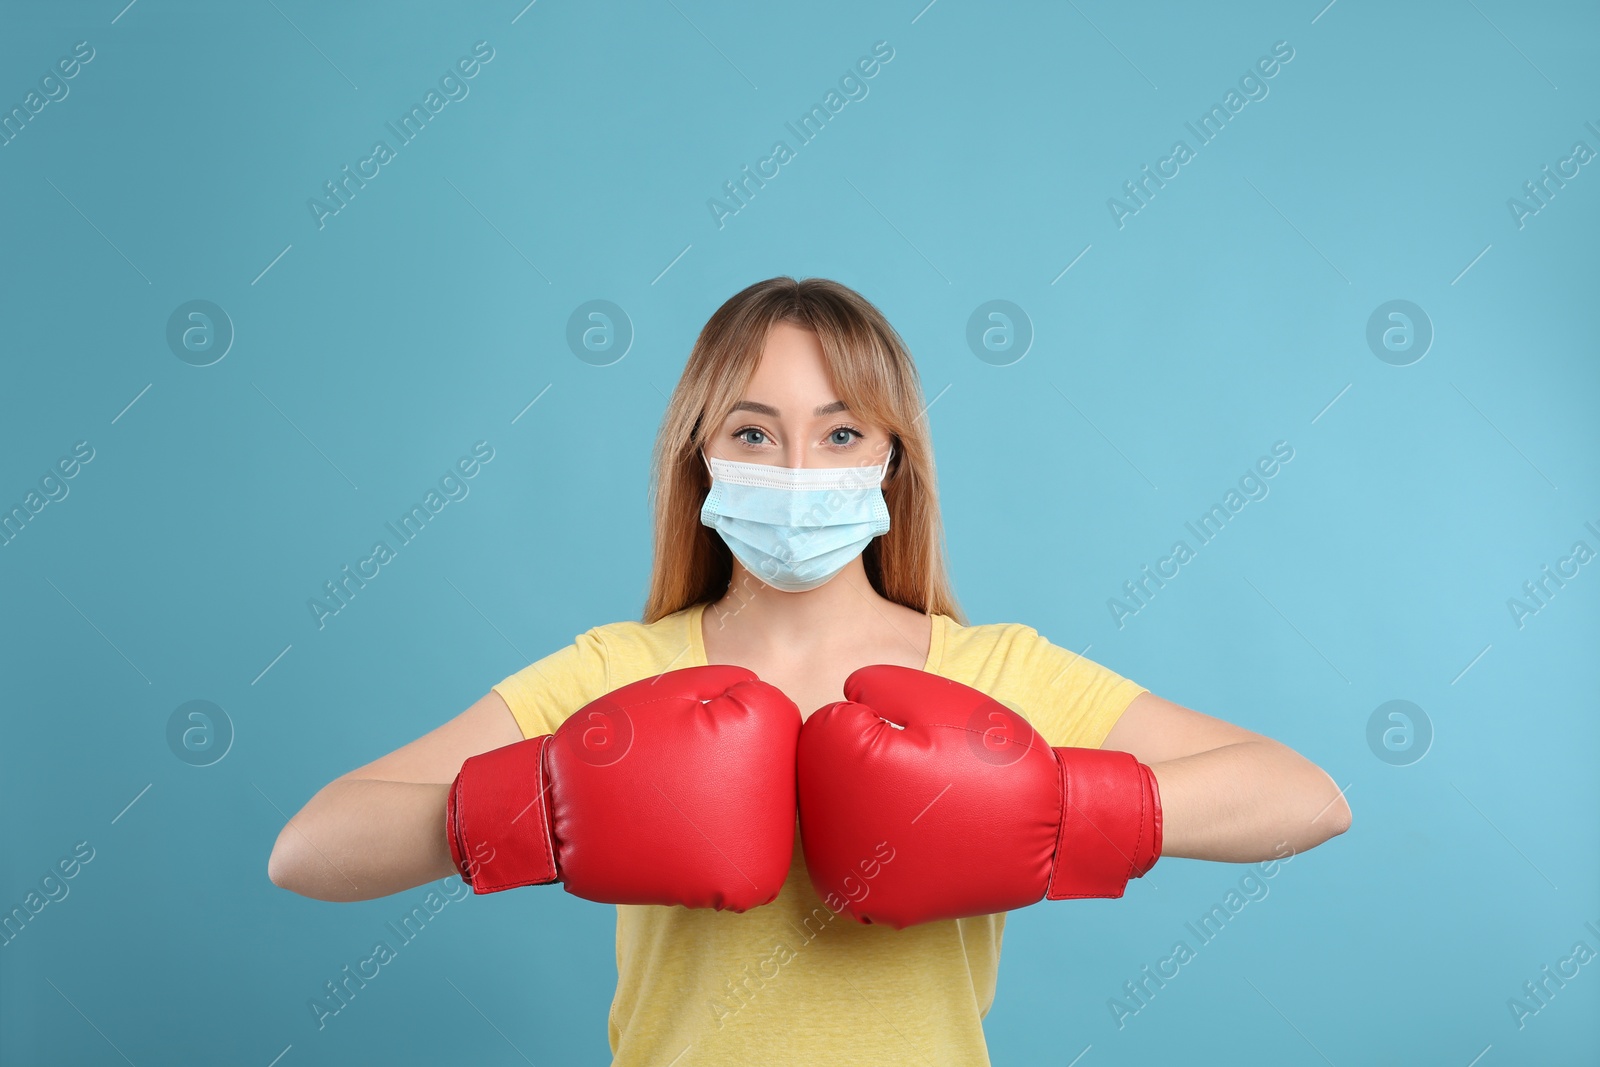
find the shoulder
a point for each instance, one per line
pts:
(1006, 655)
(600, 659)
(989, 638)
(633, 649)
(1070, 698)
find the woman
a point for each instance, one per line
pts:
(807, 375)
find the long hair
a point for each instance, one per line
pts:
(872, 372)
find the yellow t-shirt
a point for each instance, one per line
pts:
(791, 982)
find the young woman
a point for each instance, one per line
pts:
(804, 376)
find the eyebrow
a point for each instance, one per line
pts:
(772, 412)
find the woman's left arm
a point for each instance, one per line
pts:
(1227, 793)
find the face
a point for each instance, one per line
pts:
(790, 415)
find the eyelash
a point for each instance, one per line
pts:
(842, 426)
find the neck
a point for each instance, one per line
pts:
(834, 613)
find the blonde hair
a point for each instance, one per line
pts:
(873, 373)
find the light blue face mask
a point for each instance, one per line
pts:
(795, 527)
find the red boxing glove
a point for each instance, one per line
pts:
(676, 789)
(976, 813)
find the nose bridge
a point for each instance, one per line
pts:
(794, 451)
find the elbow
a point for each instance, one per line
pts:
(296, 863)
(292, 867)
(1338, 816)
(1314, 809)
(282, 869)
(1333, 817)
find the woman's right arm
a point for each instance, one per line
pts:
(379, 829)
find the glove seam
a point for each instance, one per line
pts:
(544, 810)
(1061, 825)
(453, 828)
(1144, 807)
(1147, 800)
(1029, 744)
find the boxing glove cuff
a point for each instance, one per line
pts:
(497, 819)
(1110, 828)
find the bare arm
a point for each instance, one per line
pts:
(1227, 793)
(380, 828)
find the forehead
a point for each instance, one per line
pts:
(792, 377)
(792, 352)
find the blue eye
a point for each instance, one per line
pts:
(833, 434)
(740, 435)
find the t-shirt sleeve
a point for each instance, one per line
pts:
(543, 694)
(1071, 700)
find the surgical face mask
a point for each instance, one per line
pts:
(795, 527)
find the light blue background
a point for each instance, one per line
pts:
(1228, 314)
